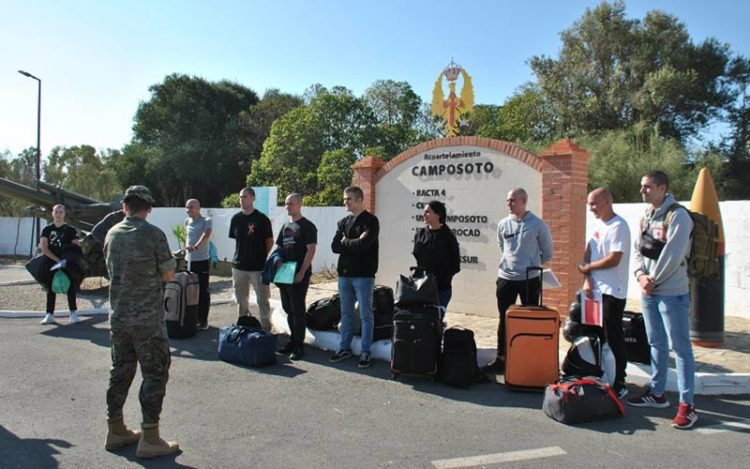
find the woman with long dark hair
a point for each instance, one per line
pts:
(436, 249)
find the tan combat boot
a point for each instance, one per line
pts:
(151, 445)
(118, 435)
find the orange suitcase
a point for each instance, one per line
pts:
(532, 335)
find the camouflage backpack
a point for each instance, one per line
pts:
(703, 260)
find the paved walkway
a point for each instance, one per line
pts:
(721, 370)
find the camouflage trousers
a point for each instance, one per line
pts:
(149, 347)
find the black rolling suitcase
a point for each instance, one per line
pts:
(416, 340)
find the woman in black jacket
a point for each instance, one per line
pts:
(436, 249)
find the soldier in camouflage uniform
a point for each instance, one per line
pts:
(138, 260)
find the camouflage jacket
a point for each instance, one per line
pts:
(137, 254)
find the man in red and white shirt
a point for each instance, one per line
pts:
(605, 266)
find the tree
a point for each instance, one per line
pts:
(527, 116)
(482, 121)
(20, 169)
(291, 154)
(332, 120)
(195, 128)
(334, 174)
(737, 147)
(621, 157)
(613, 72)
(82, 170)
(396, 109)
(255, 124)
(139, 164)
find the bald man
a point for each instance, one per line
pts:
(605, 267)
(524, 241)
(198, 233)
(297, 242)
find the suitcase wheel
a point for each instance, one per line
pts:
(395, 375)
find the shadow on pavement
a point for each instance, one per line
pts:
(731, 411)
(28, 452)
(165, 461)
(84, 330)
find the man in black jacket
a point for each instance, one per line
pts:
(356, 242)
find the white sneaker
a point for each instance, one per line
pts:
(74, 319)
(48, 319)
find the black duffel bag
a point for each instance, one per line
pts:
(420, 288)
(38, 267)
(246, 346)
(579, 400)
(324, 314)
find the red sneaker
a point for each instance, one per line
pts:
(685, 418)
(648, 399)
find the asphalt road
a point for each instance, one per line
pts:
(312, 414)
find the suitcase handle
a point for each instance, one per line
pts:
(541, 272)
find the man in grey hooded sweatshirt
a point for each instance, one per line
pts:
(524, 241)
(661, 269)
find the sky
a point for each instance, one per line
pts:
(97, 59)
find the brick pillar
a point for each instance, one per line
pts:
(365, 171)
(564, 189)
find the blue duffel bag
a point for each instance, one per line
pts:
(246, 346)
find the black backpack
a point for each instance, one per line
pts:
(249, 321)
(382, 305)
(458, 362)
(584, 357)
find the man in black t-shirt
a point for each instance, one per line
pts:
(53, 242)
(253, 236)
(296, 242)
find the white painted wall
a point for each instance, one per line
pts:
(479, 195)
(15, 235)
(735, 216)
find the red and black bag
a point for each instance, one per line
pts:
(579, 400)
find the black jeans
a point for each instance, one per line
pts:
(203, 269)
(613, 309)
(52, 299)
(507, 292)
(293, 301)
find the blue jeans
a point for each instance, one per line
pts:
(359, 288)
(667, 320)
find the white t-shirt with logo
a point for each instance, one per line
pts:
(611, 236)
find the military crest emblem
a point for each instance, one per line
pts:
(451, 109)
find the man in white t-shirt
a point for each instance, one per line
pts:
(605, 266)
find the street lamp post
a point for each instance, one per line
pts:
(38, 147)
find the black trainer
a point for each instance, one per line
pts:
(364, 360)
(340, 356)
(621, 389)
(297, 353)
(496, 366)
(287, 349)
